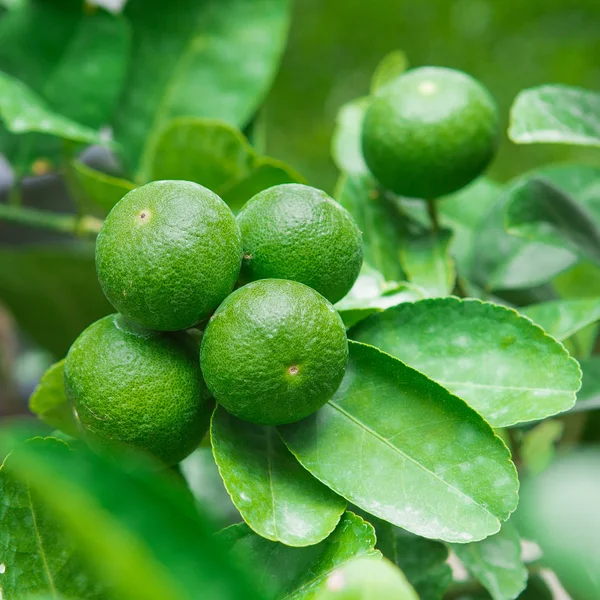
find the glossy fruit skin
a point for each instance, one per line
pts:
(298, 232)
(137, 388)
(367, 578)
(430, 132)
(168, 254)
(274, 352)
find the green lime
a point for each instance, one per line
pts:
(274, 352)
(430, 132)
(367, 578)
(297, 232)
(137, 388)
(168, 254)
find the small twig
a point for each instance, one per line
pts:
(32, 217)
(433, 215)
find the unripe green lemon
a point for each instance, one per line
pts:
(137, 388)
(367, 578)
(274, 352)
(430, 132)
(168, 254)
(297, 232)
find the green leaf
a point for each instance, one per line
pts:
(205, 59)
(367, 577)
(588, 397)
(371, 294)
(206, 151)
(500, 363)
(496, 563)
(22, 111)
(538, 445)
(276, 497)
(346, 145)
(204, 481)
(37, 556)
(138, 531)
(266, 172)
(540, 212)
(563, 318)
(378, 218)
(423, 561)
(102, 189)
(427, 262)
(391, 67)
(556, 114)
(452, 477)
(300, 573)
(49, 401)
(52, 291)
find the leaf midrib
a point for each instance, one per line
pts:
(409, 458)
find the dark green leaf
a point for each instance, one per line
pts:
(367, 577)
(266, 172)
(37, 556)
(391, 67)
(204, 481)
(500, 363)
(276, 497)
(556, 114)
(588, 397)
(52, 291)
(378, 218)
(138, 531)
(540, 212)
(346, 148)
(452, 477)
(563, 318)
(496, 563)
(49, 401)
(22, 111)
(538, 445)
(102, 189)
(203, 59)
(427, 262)
(206, 151)
(300, 573)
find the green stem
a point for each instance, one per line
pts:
(433, 215)
(81, 226)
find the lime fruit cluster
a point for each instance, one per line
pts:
(430, 132)
(273, 351)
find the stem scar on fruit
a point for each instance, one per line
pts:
(293, 370)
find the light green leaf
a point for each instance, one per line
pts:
(563, 318)
(371, 293)
(37, 556)
(452, 477)
(423, 561)
(206, 151)
(538, 445)
(427, 262)
(52, 291)
(540, 212)
(49, 401)
(110, 510)
(496, 563)
(588, 397)
(102, 189)
(500, 363)
(206, 59)
(556, 114)
(22, 111)
(300, 573)
(391, 67)
(276, 497)
(346, 145)
(367, 577)
(266, 172)
(378, 218)
(204, 481)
